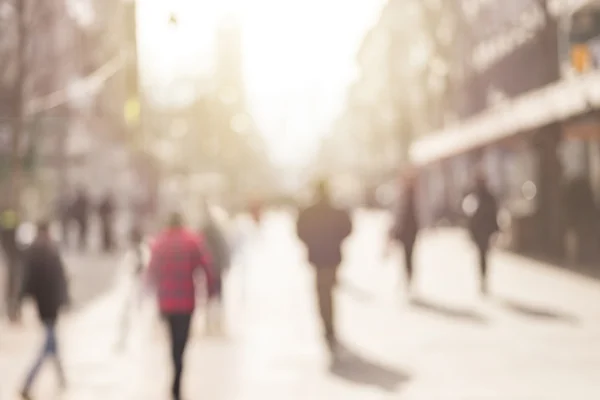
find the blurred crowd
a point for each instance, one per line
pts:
(180, 253)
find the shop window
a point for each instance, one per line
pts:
(520, 192)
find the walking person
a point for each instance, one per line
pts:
(218, 246)
(323, 227)
(80, 212)
(406, 226)
(176, 256)
(135, 295)
(482, 225)
(45, 281)
(106, 212)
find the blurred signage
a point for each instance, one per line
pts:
(510, 50)
(583, 33)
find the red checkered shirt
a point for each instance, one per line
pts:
(176, 256)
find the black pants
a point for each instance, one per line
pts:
(326, 278)
(179, 330)
(483, 251)
(107, 237)
(408, 261)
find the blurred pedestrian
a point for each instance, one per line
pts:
(106, 212)
(255, 208)
(482, 224)
(135, 295)
(46, 282)
(218, 246)
(176, 256)
(323, 227)
(80, 211)
(63, 215)
(9, 224)
(406, 225)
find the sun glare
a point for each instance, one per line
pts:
(298, 58)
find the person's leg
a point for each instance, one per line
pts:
(49, 344)
(483, 267)
(54, 352)
(408, 263)
(325, 300)
(179, 327)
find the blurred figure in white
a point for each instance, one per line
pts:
(213, 231)
(138, 262)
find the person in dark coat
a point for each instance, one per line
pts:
(482, 225)
(46, 283)
(80, 212)
(106, 212)
(63, 214)
(406, 226)
(323, 227)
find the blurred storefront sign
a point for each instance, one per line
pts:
(513, 44)
(580, 34)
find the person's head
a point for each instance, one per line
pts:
(175, 220)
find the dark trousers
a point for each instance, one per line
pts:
(408, 261)
(82, 233)
(107, 237)
(179, 330)
(49, 350)
(326, 281)
(483, 251)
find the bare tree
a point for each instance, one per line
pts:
(27, 62)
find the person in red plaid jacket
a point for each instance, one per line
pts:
(176, 256)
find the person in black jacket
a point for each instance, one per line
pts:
(80, 210)
(322, 228)
(406, 226)
(482, 225)
(46, 283)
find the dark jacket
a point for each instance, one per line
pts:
(323, 228)
(45, 279)
(484, 222)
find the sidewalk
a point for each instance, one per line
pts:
(87, 334)
(538, 337)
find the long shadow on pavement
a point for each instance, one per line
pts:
(461, 314)
(537, 312)
(361, 371)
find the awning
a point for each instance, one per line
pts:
(553, 103)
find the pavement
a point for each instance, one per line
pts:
(536, 337)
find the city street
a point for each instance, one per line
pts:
(536, 337)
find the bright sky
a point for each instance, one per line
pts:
(298, 60)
